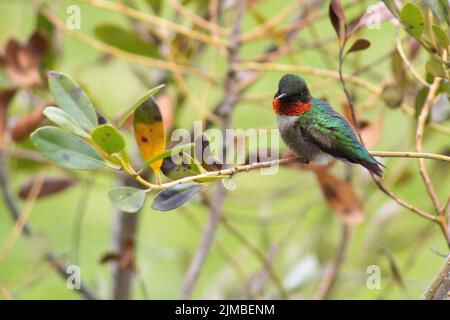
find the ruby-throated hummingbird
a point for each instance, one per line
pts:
(314, 130)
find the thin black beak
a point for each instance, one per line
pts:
(281, 96)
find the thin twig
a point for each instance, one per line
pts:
(23, 217)
(78, 220)
(103, 47)
(331, 273)
(199, 20)
(260, 278)
(221, 248)
(199, 258)
(259, 165)
(421, 120)
(156, 21)
(381, 187)
(409, 65)
(266, 263)
(308, 70)
(268, 26)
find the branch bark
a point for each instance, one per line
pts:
(124, 245)
(439, 287)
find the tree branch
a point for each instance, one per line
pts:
(421, 120)
(266, 263)
(439, 287)
(266, 164)
(124, 245)
(331, 272)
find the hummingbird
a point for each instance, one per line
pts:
(314, 130)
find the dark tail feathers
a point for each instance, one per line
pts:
(375, 168)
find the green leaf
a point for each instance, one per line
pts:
(392, 95)
(413, 19)
(172, 198)
(62, 119)
(108, 138)
(155, 5)
(130, 111)
(125, 40)
(421, 96)
(66, 149)
(435, 67)
(127, 199)
(359, 45)
(70, 97)
(441, 36)
(175, 171)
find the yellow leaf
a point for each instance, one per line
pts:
(149, 132)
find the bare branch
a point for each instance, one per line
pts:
(198, 260)
(266, 263)
(419, 138)
(332, 271)
(103, 47)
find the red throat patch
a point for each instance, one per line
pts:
(291, 109)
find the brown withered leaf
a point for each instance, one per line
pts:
(109, 256)
(124, 258)
(5, 98)
(50, 187)
(371, 131)
(21, 62)
(337, 17)
(24, 126)
(359, 45)
(347, 112)
(341, 198)
(203, 154)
